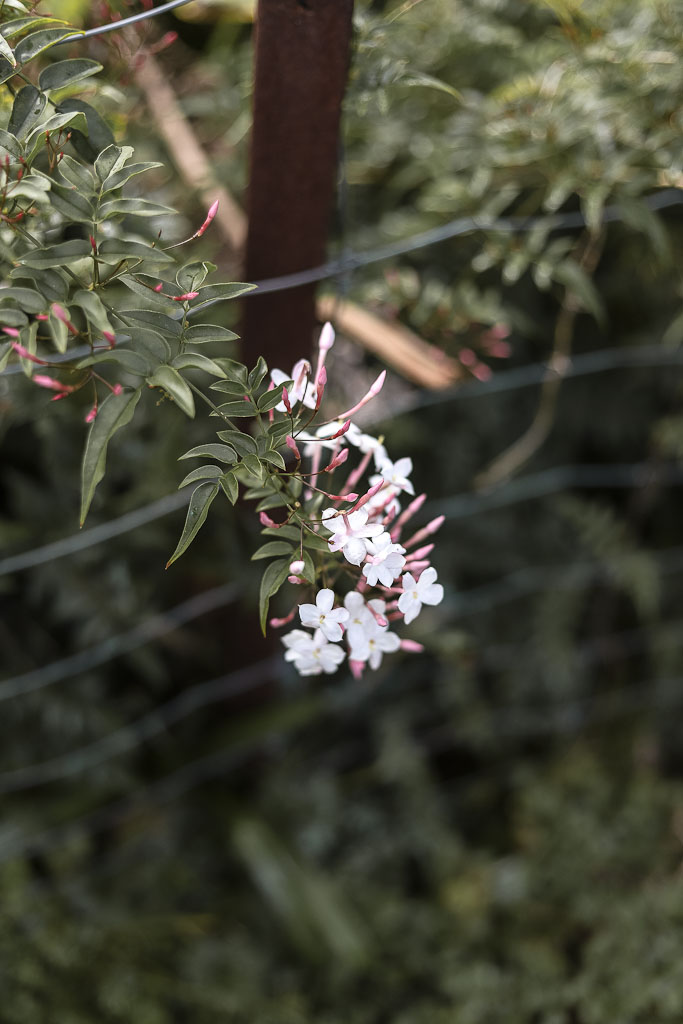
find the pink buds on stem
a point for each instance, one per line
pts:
(338, 460)
(373, 391)
(213, 210)
(25, 354)
(61, 315)
(425, 532)
(292, 445)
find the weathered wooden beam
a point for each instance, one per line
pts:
(302, 59)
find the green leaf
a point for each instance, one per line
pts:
(204, 333)
(67, 72)
(232, 387)
(99, 135)
(67, 201)
(26, 298)
(173, 384)
(316, 543)
(115, 412)
(270, 399)
(198, 509)
(271, 501)
(273, 548)
(201, 473)
(28, 105)
(290, 532)
(131, 208)
(417, 79)
(190, 277)
(59, 330)
(37, 42)
(28, 337)
(10, 143)
(76, 175)
(253, 465)
(222, 452)
(235, 410)
(91, 304)
(114, 250)
(112, 159)
(7, 52)
(119, 177)
(230, 487)
(50, 283)
(7, 70)
(56, 255)
(10, 317)
(153, 346)
(159, 322)
(57, 123)
(243, 444)
(218, 292)
(196, 361)
(274, 458)
(273, 578)
(233, 369)
(18, 26)
(5, 353)
(144, 287)
(258, 373)
(134, 362)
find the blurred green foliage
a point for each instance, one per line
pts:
(491, 833)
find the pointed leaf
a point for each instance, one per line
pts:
(35, 43)
(132, 208)
(114, 250)
(7, 52)
(56, 255)
(273, 548)
(222, 452)
(28, 105)
(201, 473)
(244, 444)
(99, 135)
(10, 143)
(273, 578)
(270, 399)
(196, 361)
(235, 410)
(91, 304)
(115, 412)
(230, 487)
(134, 362)
(112, 159)
(67, 72)
(173, 384)
(212, 293)
(119, 177)
(198, 509)
(204, 333)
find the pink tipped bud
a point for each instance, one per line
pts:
(482, 372)
(213, 210)
(467, 357)
(378, 385)
(326, 339)
(292, 445)
(342, 430)
(117, 389)
(110, 336)
(370, 494)
(295, 579)
(276, 623)
(499, 350)
(412, 646)
(435, 524)
(61, 315)
(25, 354)
(321, 381)
(356, 668)
(421, 552)
(425, 532)
(417, 566)
(339, 458)
(12, 332)
(93, 243)
(265, 520)
(373, 391)
(158, 287)
(186, 297)
(286, 402)
(297, 567)
(49, 382)
(92, 414)
(42, 316)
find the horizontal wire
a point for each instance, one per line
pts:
(354, 260)
(114, 26)
(128, 737)
(152, 628)
(506, 380)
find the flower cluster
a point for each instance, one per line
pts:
(382, 577)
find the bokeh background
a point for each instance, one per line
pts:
(490, 832)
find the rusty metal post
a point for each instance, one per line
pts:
(302, 59)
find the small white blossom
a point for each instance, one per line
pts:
(362, 623)
(302, 390)
(395, 474)
(416, 593)
(323, 616)
(312, 655)
(350, 533)
(385, 561)
(383, 642)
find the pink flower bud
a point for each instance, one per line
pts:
(92, 414)
(158, 287)
(265, 520)
(93, 243)
(295, 579)
(339, 458)
(412, 646)
(117, 389)
(110, 336)
(276, 623)
(356, 668)
(286, 402)
(500, 350)
(186, 297)
(49, 382)
(421, 552)
(292, 445)
(482, 372)
(12, 332)
(297, 567)
(25, 354)
(42, 316)
(213, 210)
(61, 315)
(321, 381)
(342, 430)
(467, 357)
(374, 390)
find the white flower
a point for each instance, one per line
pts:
(350, 533)
(323, 616)
(302, 389)
(395, 474)
(381, 643)
(416, 593)
(362, 623)
(368, 443)
(384, 561)
(312, 655)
